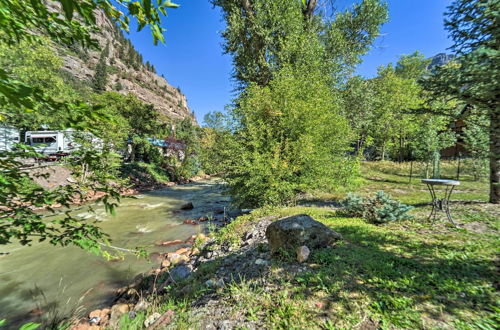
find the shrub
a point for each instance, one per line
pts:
(377, 209)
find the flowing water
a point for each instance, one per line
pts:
(47, 280)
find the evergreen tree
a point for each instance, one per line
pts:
(473, 78)
(100, 78)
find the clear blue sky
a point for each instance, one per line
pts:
(192, 57)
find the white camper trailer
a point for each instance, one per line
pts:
(51, 143)
(8, 137)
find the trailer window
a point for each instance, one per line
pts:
(43, 139)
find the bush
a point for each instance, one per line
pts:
(377, 209)
(289, 138)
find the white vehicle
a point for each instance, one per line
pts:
(51, 142)
(8, 137)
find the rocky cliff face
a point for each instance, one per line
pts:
(439, 60)
(126, 71)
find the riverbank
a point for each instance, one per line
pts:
(47, 283)
(50, 176)
(406, 274)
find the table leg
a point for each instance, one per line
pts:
(441, 204)
(446, 205)
(434, 202)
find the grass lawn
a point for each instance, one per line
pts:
(411, 274)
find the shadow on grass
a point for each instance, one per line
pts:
(399, 280)
(387, 181)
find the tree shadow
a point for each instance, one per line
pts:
(400, 279)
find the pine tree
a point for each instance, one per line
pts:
(105, 52)
(473, 78)
(100, 78)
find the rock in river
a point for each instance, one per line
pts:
(187, 206)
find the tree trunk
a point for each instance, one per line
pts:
(401, 148)
(309, 9)
(495, 156)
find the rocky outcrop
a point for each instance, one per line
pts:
(290, 233)
(439, 60)
(122, 77)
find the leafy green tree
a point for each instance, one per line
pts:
(216, 139)
(473, 78)
(188, 134)
(30, 22)
(260, 35)
(40, 67)
(289, 135)
(395, 96)
(476, 140)
(358, 108)
(289, 138)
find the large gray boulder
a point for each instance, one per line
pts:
(299, 230)
(181, 272)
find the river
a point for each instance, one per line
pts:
(55, 281)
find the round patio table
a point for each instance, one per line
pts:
(441, 204)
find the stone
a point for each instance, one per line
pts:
(163, 320)
(120, 308)
(215, 284)
(175, 242)
(151, 319)
(302, 253)
(220, 283)
(95, 320)
(292, 232)
(99, 316)
(195, 251)
(116, 313)
(176, 259)
(202, 219)
(219, 211)
(141, 305)
(182, 251)
(181, 272)
(96, 313)
(165, 263)
(85, 326)
(190, 239)
(190, 222)
(187, 206)
(261, 262)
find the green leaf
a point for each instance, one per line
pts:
(68, 7)
(169, 4)
(30, 326)
(147, 7)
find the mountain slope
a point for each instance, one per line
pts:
(126, 71)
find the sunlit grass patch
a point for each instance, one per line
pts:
(403, 274)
